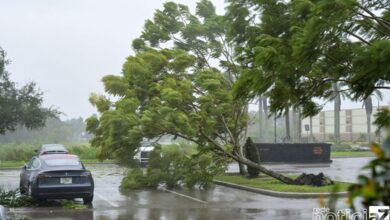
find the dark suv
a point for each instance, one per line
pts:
(57, 176)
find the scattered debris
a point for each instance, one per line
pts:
(13, 199)
(313, 180)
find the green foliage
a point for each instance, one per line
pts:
(13, 198)
(70, 204)
(20, 106)
(54, 131)
(252, 154)
(382, 119)
(296, 56)
(24, 152)
(134, 179)
(180, 104)
(374, 189)
(341, 147)
(179, 83)
(174, 167)
(263, 182)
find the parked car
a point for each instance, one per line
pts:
(142, 154)
(51, 149)
(56, 176)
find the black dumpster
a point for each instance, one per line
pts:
(294, 153)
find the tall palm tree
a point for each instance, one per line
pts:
(261, 119)
(287, 123)
(367, 103)
(337, 108)
(338, 93)
(263, 116)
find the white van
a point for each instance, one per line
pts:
(142, 155)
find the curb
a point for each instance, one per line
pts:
(341, 157)
(2, 212)
(295, 195)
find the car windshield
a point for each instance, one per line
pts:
(63, 162)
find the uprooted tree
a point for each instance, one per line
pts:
(176, 90)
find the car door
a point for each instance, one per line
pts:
(33, 169)
(24, 175)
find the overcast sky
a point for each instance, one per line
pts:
(67, 46)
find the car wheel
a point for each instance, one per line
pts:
(88, 200)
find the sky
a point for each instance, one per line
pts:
(67, 46)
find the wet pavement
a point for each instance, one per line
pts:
(216, 203)
(341, 169)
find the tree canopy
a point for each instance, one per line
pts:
(179, 83)
(20, 106)
(298, 54)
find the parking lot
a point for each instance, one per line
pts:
(215, 203)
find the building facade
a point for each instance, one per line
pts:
(353, 125)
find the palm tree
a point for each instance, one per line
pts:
(337, 108)
(337, 95)
(367, 103)
(287, 123)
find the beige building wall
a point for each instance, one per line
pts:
(353, 125)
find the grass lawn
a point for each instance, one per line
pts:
(352, 154)
(269, 183)
(11, 164)
(19, 164)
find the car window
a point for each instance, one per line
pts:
(34, 164)
(30, 163)
(63, 162)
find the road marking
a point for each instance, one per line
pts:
(108, 201)
(185, 196)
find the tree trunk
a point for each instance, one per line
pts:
(293, 125)
(266, 171)
(265, 119)
(275, 135)
(261, 119)
(299, 125)
(287, 117)
(242, 169)
(337, 106)
(368, 107)
(311, 139)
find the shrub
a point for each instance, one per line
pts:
(374, 188)
(175, 167)
(24, 152)
(84, 151)
(341, 147)
(252, 154)
(134, 179)
(12, 152)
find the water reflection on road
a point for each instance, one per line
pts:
(218, 202)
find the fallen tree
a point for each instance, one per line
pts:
(176, 90)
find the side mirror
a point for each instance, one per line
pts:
(24, 166)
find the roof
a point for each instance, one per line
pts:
(146, 149)
(52, 149)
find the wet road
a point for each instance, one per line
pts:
(216, 203)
